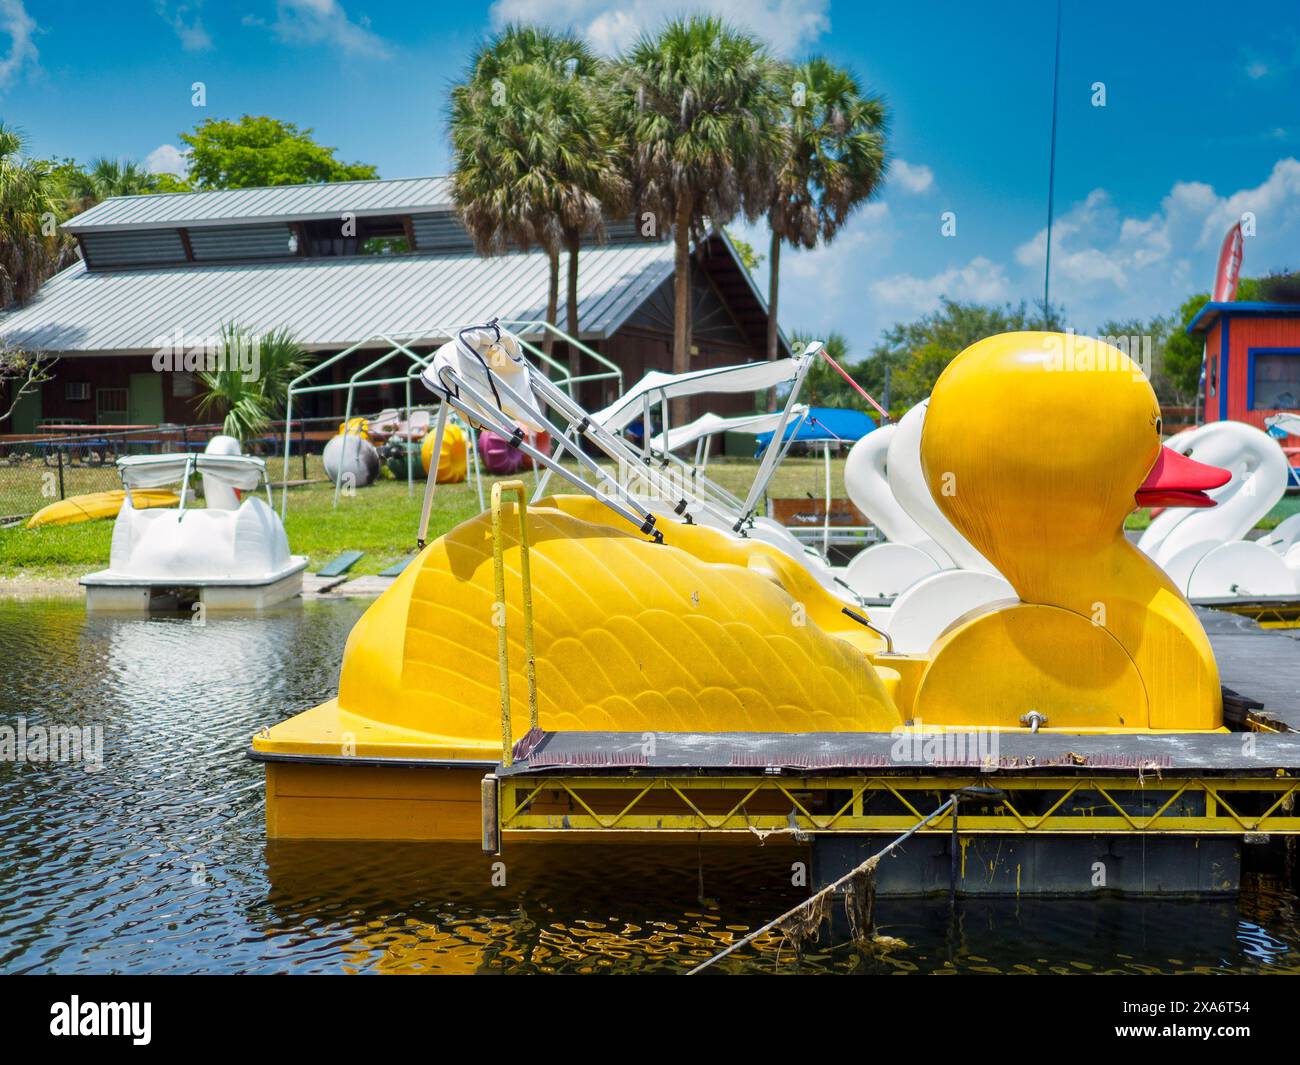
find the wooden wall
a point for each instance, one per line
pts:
(1233, 343)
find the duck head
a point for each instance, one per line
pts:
(1040, 444)
(1037, 446)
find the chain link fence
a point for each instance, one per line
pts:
(43, 468)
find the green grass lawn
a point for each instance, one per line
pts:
(381, 519)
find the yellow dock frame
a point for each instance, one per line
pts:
(659, 801)
(555, 803)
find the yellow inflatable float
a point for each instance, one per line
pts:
(1036, 463)
(96, 505)
(453, 459)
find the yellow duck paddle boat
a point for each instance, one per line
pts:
(708, 632)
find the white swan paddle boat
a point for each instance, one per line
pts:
(231, 554)
(879, 572)
(1204, 551)
(948, 576)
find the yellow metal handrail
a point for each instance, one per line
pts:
(503, 646)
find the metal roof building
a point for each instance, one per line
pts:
(327, 304)
(335, 265)
(248, 206)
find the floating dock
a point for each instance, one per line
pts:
(1040, 814)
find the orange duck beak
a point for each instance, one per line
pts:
(1177, 481)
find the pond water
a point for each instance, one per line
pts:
(155, 860)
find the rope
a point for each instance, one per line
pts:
(861, 391)
(829, 889)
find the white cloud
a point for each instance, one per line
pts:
(1275, 203)
(1256, 70)
(787, 25)
(316, 22)
(1106, 266)
(915, 178)
(828, 268)
(167, 159)
(187, 23)
(20, 28)
(906, 295)
(1088, 224)
(1095, 252)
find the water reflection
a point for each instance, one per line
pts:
(158, 862)
(423, 908)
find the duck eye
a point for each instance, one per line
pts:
(1159, 426)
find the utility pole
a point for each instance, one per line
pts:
(1051, 169)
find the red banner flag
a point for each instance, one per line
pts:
(1225, 277)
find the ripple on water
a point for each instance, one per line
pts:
(158, 862)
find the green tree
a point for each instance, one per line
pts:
(536, 161)
(823, 386)
(917, 352)
(1141, 338)
(32, 204)
(698, 105)
(247, 405)
(915, 377)
(1184, 353)
(172, 183)
(1279, 286)
(749, 258)
(832, 160)
(258, 150)
(104, 178)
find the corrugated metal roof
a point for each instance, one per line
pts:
(302, 202)
(326, 303)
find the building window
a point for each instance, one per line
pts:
(112, 405)
(76, 391)
(359, 236)
(1275, 379)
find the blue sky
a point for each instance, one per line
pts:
(1200, 123)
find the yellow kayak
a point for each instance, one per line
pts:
(99, 505)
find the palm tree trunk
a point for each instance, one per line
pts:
(571, 301)
(773, 286)
(682, 304)
(552, 299)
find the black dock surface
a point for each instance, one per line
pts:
(1260, 666)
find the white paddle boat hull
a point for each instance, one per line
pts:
(232, 554)
(109, 591)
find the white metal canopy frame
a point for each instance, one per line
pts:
(244, 472)
(744, 377)
(402, 344)
(699, 432)
(484, 376)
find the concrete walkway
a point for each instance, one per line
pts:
(369, 585)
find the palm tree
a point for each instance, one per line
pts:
(697, 103)
(105, 178)
(247, 402)
(833, 161)
(535, 160)
(31, 246)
